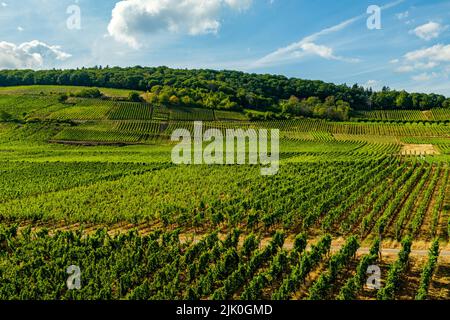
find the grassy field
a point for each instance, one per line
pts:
(52, 90)
(92, 184)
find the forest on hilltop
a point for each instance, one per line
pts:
(233, 90)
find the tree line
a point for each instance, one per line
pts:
(232, 90)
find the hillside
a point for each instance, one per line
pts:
(96, 173)
(115, 119)
(232, 90)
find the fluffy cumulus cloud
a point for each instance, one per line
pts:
(435, 60)
(428, 31)
(133, 18)
(33, 54)
(438, 53)
(320, 50)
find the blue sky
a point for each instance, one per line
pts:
(326, 40)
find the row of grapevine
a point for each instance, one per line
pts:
(394, 205)
(337, 194)
(324, 284)
(191, 114)
(386, 115)
(354, 285)
(245, 271)
(322, 136)
(300, 271)
(278, 267)
(367, 182)
(445, 148)
(384, 195)
(428, 271)
(89, 135)
(439, 203)
(131, 111)
(396, 271)
(374, 199)
(408, 206)
(421, 210)
(168, 265)
(143, 127)
(342, 197)
(306, 213)
(310, 125)
(20, 107)
(441, 114)
(39, 178)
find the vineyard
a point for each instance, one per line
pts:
(435, 115)
(392, 198)
(158, 266)
(299, 130)
(90, 183)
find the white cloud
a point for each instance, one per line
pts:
(33, 54)
(19, 28)
(437, 53)
(308, 45)
(304, 47)
(425, 76)
(417, 66)
(426, 66)
(429, 30)
(320, 50)
(435, 61)
(297, 51)
(4, 4)
(134, 18)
